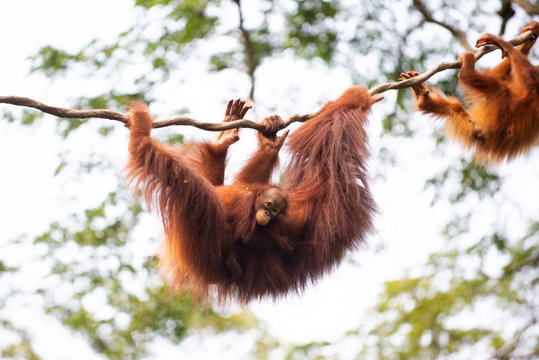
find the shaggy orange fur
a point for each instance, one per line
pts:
(213, 242)
(502, 120)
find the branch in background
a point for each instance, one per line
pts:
(507, 349)
(444, 66)
(529, 7)
(506, 13)
(532, 262)
(402, 49)
(459, 34)
(184, 120)
(249, 52)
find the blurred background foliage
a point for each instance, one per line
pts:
(95, 282)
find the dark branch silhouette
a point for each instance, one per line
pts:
(113, 115)
(250, 58)
(427, 15)
(184, 120)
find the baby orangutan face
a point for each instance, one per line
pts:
(268, 205)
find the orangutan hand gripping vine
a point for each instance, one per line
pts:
(249, 239)
(503, 119)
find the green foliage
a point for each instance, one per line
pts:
(105, 130)
(419, 312)
(26, 117)
(473, 178)
(397, 123)
(308, 351)
(309, 30)
(29, 117)
(194, 23)
(53, 61)
(434, 314)
(117, 301)
(67, 126)
(19, 350)
(4, 268)
(175, 139)
(8, 115)
(416, 311)
(104, 267)
(157, 313)
(61, 166)
(525, 256)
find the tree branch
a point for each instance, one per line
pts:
(529, 7)
(532, 262)
(506, 12)
(443, 66)
(63, 112)
(505, 351)
(113, 115)
(461, 35)
(249, 51)
(184, 120)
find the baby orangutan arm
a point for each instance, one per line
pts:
(210, 158)
(260, 166)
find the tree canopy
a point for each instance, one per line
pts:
(451, 273)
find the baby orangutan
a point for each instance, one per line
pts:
(268, 205)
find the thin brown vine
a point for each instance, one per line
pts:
(184, 120)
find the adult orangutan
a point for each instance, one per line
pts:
(248, 239)
(502, 120)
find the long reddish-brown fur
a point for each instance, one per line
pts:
(502, 120)
(208, 225)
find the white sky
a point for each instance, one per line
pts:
(31, 197)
